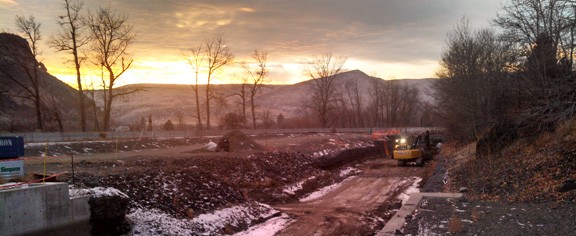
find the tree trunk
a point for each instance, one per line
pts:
(253, 113)
(82, 110)
(199, 117)
(108, 105)
(208, 104)
(39, 125)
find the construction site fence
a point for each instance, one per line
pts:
(37, 137)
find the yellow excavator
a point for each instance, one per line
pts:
(417, 152)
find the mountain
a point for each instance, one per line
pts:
(17, 113)
(161, 102)
(166, 102)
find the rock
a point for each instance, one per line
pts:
(463, 190)
(568, 185)
(228, 229)
(235, 141)
(190, 213)
(108, 215)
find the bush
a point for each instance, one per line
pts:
(232, 121)
(168, 125)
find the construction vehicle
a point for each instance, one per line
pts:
(384, 141)
(417, 151)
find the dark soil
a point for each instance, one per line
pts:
(201, 182)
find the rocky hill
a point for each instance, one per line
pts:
(17, 112)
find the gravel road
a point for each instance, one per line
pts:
(464, 217)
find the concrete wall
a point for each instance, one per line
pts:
(41, 208)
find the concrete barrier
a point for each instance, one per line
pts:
(43, 209)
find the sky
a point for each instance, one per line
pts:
(383, 38)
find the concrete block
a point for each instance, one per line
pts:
(41, 208)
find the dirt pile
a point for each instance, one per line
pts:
(183, 193)
(237, 141)
(190, 186)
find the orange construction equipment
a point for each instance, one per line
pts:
(384, 141)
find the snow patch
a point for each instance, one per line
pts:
(348, 171)
(323, 191)
(404, 196)
(292, 189)
(270, 227)
(96, 192)
(151, 222)
(155, 222)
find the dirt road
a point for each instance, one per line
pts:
(346, 210)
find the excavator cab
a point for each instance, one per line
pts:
(417, 151)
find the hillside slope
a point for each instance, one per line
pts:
(538, 170)
(16, 112)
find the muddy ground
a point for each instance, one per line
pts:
(179, 178)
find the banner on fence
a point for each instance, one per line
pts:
(11, 168)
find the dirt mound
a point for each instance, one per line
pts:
(344, 157)
(236, 141)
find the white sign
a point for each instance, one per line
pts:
(11, 168)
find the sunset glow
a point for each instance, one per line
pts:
(387, 39)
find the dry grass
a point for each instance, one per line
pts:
(475, 215)
(455, 224)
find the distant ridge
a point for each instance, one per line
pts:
(165, 101)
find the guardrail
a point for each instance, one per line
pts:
(37, 137)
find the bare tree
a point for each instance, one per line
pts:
(218, 55)
(70, 39)
(112, 35)
(523, 21)
(394, 103)
(410, 106)
(91, 88)
(376, 103)
(31, 29)
(353, 94)
(323, 71)
(257, 74)
(266, 118)
(196, 57)
(472, 93)
(180, 118)
(56, 114)
(544, 33)
(391, 101)
(242, 93)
